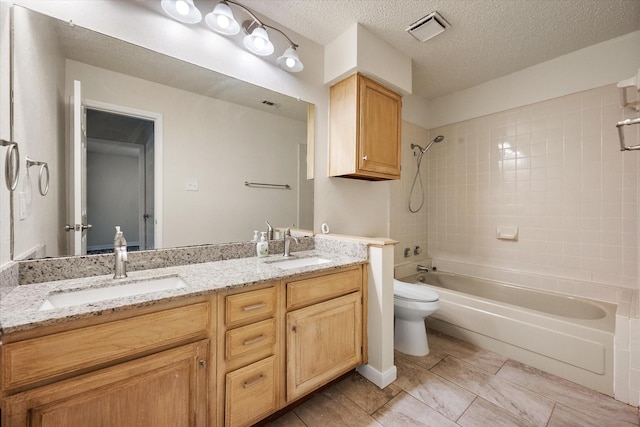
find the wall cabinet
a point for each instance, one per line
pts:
(365, 130)
(150, 369)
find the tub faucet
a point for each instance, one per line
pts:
(424, 268)
(287, 241)
(120, 249)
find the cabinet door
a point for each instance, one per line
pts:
(323, 342)
(380, 129)
(166, 389)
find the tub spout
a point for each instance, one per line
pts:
(424, 268)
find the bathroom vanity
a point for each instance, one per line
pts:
(221, 351)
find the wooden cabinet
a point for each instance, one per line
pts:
(250, 377)
(365, 130)
(325, 337)
(168, 389)
(230, 359)
(144, 367)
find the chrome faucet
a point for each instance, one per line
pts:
(424, 268)
(287, 241)
(120, 249)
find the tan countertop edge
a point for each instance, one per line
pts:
(372, 241)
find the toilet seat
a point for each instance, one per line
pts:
(413, 292)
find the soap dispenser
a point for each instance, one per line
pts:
(262, 247)
(120, 249)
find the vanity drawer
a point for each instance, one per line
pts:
(40, 359)
(248, 306)
(250, 393)
(301, 293)
(250, 338)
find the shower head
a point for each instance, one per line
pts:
(437, 139)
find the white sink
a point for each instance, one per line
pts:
(86, 296)
(300, 262)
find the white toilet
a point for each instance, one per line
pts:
(412, 303)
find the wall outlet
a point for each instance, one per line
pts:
(191, 184)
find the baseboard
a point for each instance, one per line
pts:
(381, 379)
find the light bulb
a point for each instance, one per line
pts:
(290, 62)
(223, 21)
(182, 7)
(259, 42)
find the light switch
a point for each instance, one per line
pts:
(191, 184)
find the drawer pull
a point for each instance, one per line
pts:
(254, 306)
(254, 340)
(254, 381)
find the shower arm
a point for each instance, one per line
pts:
(619, 125)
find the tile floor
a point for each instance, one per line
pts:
(459, 384)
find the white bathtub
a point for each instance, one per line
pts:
(567, 336)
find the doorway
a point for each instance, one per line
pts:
(120, 179)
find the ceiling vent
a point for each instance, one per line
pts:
(428, 27)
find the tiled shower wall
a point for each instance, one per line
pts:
(555, 171)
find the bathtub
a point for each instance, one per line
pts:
(567, 336)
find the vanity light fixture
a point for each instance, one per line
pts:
(222, 21)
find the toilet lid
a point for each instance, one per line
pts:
(413, 291)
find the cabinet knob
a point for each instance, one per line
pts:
(203, 363)
(364, 157)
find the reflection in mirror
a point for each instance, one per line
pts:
(169, 145)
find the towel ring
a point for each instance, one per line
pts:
(43, 167)
(11, 164)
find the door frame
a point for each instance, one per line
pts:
(157, 156)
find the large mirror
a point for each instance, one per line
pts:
(170, 146)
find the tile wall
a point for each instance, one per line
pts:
(554, 171)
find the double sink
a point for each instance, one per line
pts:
(132, 288)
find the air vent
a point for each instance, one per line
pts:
(270, 103)
(428, 27)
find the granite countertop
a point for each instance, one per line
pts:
(19, 310)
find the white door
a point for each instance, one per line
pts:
(78, 181)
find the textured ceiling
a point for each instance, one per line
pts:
(487, 38)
